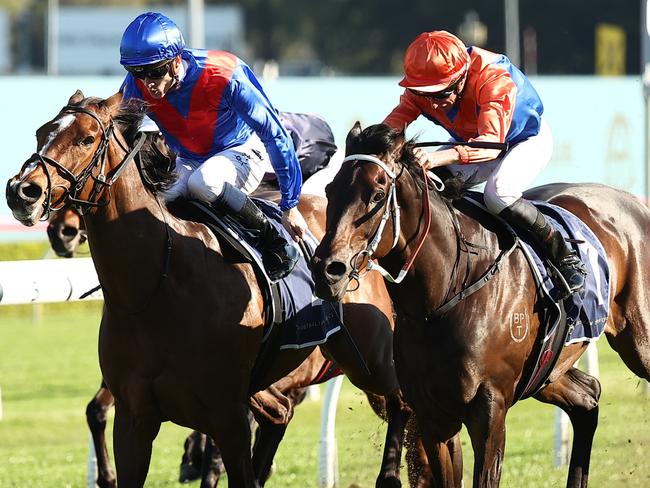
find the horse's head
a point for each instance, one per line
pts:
(69, 161)
(360, 198)
(66, 232)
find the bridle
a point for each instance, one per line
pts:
(78, 182)
(101, 182)
(391, 208)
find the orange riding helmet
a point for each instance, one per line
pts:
(433, 61)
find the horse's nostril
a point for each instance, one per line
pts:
(69, 231)
(335, 269)
(30, 192)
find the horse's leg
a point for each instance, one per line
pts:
(231, 432)
(417, 464)
(441, 443)
(211, 465)
(132, 442)
(96, 412)
(487, 429)
(273, 412)
(192, 460)
(577, 394)
(370, 330)
(397, 414)
(631, 344)
(267, 440)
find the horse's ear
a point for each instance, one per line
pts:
(112, 102)
(399, 143)
(76, 98)
(400, 136)
(353, 134)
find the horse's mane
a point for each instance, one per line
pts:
(158, 168)
(382, 139)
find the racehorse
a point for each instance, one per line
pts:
(66, 234)
(463, 366)
(182, 323)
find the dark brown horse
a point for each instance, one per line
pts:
(66, 234)
(463, 367)
(182, 323)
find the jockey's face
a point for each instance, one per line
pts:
(159, 87)
(447, 98)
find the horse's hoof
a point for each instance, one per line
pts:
(188, 472)
(388, 482)
(107, 483)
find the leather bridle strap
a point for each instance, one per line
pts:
(480, 282)
(99, 158)
(392, 207)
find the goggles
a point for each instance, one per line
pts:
(155, 73)
(442, 94)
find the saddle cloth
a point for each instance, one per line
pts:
(582, 316)
(586, 311)
(305, 319)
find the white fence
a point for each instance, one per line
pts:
(47, 280)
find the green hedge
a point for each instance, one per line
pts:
(14, 251)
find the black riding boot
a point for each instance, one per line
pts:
(279, 256)
(524, 215)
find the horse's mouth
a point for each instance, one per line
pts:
(27, 219)
(26, 213)
(331, 292)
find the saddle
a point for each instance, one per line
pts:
(295, 318)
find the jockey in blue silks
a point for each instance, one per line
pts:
(213, 112)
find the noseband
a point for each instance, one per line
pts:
(391, 208)
(78, 182)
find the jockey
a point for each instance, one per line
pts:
(213, 112)
(477, 95)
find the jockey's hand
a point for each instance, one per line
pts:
(295, 223)
(434, 159)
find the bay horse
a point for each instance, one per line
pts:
(201, 457)
(464, 366)
(182, 324)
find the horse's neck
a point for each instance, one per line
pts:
(128, 238)
(427, 282)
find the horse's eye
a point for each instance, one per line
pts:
(378, 196)
(88, 141)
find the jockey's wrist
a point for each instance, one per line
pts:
(463, 154)
(286, 206)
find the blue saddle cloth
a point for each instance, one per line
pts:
(587, 311)
(306, 319)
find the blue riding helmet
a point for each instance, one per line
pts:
(150, 38)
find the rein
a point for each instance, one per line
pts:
(78, 182)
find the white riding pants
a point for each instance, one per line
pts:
(507, 177)
(241, 166)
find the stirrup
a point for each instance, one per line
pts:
(280, 261)
(569, 276)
